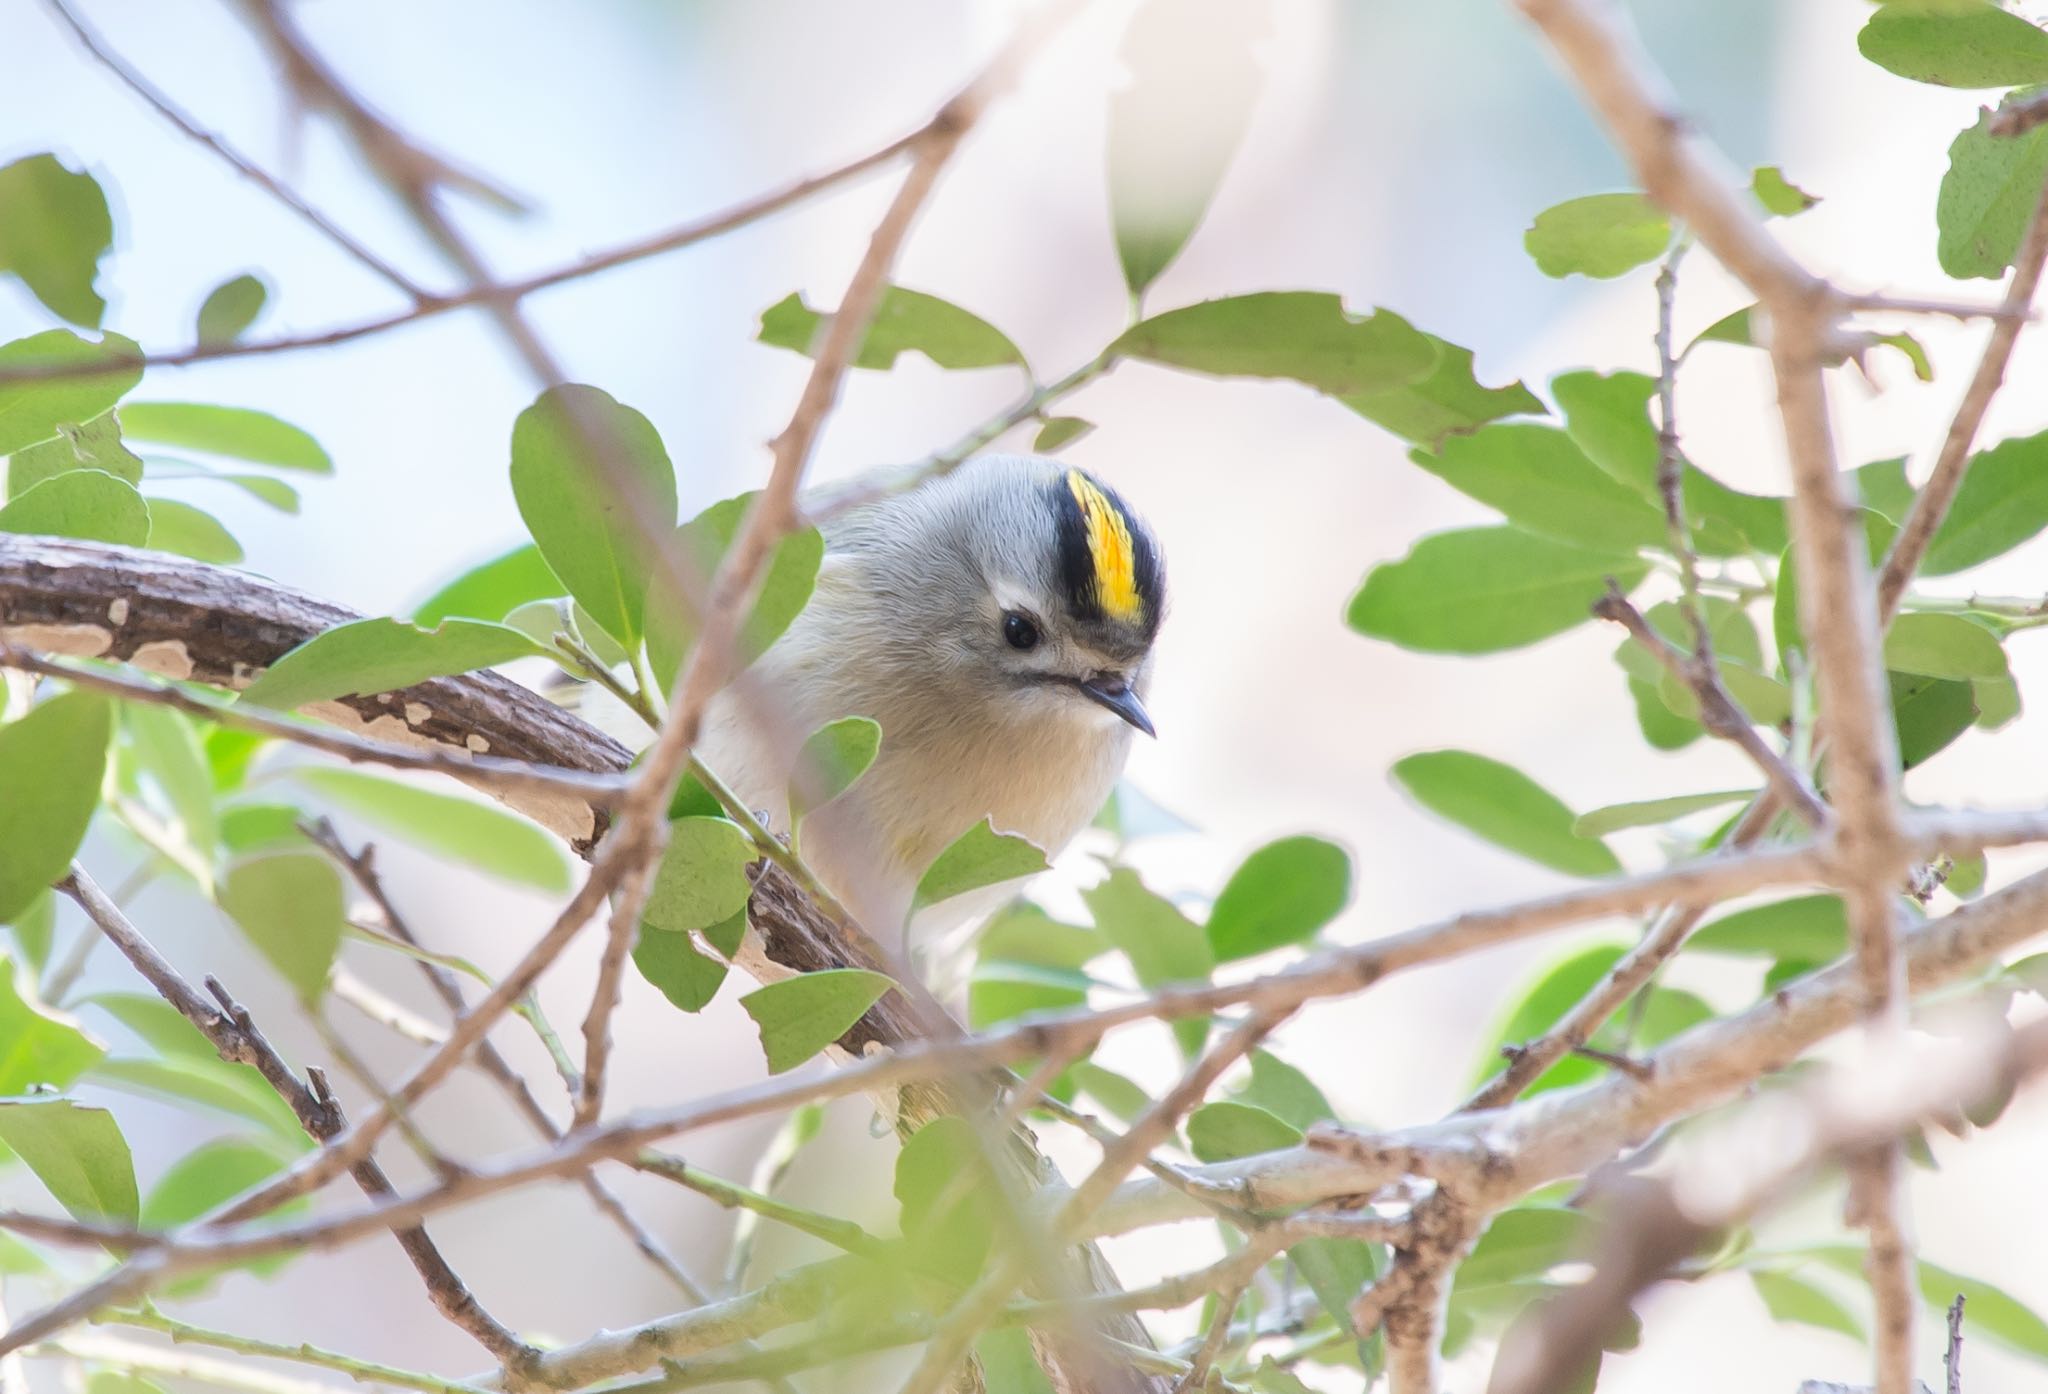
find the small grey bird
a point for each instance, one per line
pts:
(998, 623)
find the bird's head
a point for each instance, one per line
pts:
(1042, 591)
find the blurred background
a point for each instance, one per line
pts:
(1396, 155)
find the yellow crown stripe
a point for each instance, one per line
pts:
(1109, 548)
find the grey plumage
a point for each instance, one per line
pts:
(907, 626)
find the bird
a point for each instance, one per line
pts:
(998, 622)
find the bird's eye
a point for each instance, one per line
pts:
(1019, 631)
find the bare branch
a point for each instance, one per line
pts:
(236, 1037)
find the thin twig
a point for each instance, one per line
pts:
(1931, 504)
(1719, 712)
(1952, 1358)
(242, 164)
(228, 1026)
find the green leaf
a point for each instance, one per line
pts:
(1481, 590)
(37, 1049)
(492, 589)
(211, 1174)
(190, 532)
(235, 1090)
(1058, 431)
(88, 504)
(1779, 196)
(1336, 1270)
(366, 657)
(1791, 1298)
(999, 990)
(1543, 482)
(1608, 417)
(247, 827)
(51, 763)
(1163, 945)
(1450, 401)
(1882, 486)
(688, 977)
(2003, 501)
(1280, 895)
(1175, 127)
(78, 1154)
(1807, 929)
(33, 408)
(229, 309)
(947, 1199)
(1998, 701)
(1504, 806)
(1224, 1130)
(274, 492)
(157, 1024)
(452, 827)
(1007, 1363)
(1954, 43)
(702, 879)
(592, 537)
(230, 754)
(800, 1016)
(1987, 1309)
(1525, 1242)
(1124, 1099)
(1023, 933)
(979, 857)
(785, 587)
(906, 321)
(1306, 336)
(1654, 812)
(240, 433)
(91, 445)
(34, 928)
(290, 906)
(54, 228)
(836, 755)
(166, 746)
(1601, 235)
(1943, 646)
(1282, 1090)
(1930, 713)
(1987, 196)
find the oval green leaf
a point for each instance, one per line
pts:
(979, 857)
(483, 835)
(1280, 895)
(1507, 808)
(1601, 235)
(290, 905)
(593, 482)
(54, 228)
(240, 433)
(491, 590)
(800, 1016)
(1306, 336)
(78, 1154)
(702, 880)
(365, 657)
(1481, 590)
(88, 504)
(51, 763)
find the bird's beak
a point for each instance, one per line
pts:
(1118, 695)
